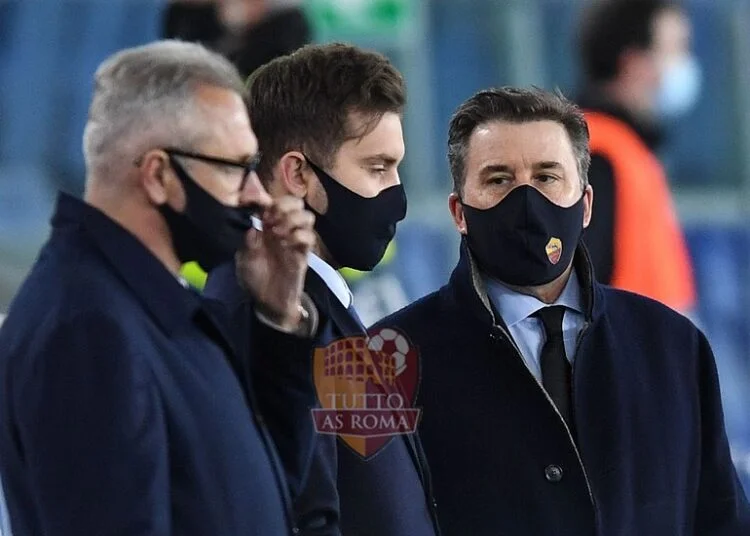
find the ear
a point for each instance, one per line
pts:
(457, 211)
(294, 174)
(588, 204)
(158, 180)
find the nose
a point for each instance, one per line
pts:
(254, 193)
(389, 180)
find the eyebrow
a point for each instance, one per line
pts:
(548, 164)
(496, 168)
(381, 157)
(502, 168)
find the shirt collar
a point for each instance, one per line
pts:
(515, 307)
(160, 292)
(332, 279)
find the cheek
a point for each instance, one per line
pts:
(360, 181)
(487, 196)
(224, 191)
(564, 194)
(175, 194)
(317, 197)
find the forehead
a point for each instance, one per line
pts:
(386, 137)
(519, 144)
(671, 30)
(226, 120)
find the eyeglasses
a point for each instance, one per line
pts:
(247, 166)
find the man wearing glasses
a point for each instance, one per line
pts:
(126, 407)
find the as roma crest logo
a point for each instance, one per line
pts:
(554, 250)
(366, 387)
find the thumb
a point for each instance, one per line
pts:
(254, 240)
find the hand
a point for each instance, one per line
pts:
(273, 264)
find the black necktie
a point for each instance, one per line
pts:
(556, 370)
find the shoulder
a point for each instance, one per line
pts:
(638, 316)
(423, 313)
(68, 288)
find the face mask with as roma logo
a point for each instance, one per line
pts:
(525, 239)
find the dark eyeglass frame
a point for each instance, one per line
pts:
(249, 166)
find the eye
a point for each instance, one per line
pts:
(499, 180)
(546, 178)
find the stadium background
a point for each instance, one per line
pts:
(447, 49)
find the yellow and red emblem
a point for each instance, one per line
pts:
(554, 250)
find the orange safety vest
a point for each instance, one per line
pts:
(650, 255)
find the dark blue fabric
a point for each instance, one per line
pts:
(344, 494)
(646, 405)
(124, 408)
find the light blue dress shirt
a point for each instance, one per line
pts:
(527, 331)
(4, 517)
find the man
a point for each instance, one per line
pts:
(328, 121)
(639, 72)
(630, 440)
(125, 408)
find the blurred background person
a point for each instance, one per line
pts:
(638, 70)
(249, 33)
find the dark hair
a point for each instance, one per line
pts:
(303, 101)
(515, 105)
(611, 27)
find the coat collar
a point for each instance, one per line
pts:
(330, 306)
(467, 287)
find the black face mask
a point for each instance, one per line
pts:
(207, 232)
(356, 230)
(526, 239)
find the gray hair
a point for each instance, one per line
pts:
(144, 98)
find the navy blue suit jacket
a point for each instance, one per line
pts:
(650, 457)
(125, 408)
(387, 495)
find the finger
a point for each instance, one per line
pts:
(301, 240)
(291, 221)
(280, 208)
(253, 240)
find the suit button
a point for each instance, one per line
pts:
(553, 473)
(295, 530)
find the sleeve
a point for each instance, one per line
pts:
(92, 434)
(722, 508)
(599, 236)
(281, 371)
(281, 367)
(318, 505)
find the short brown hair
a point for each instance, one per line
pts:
(303, 101)
(515, 105)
